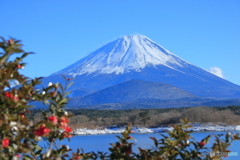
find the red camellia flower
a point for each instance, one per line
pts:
(18, 155)
(10, 95)
(22, 115)
(64, 119)
(42, 130)
(15, 98)
(201, 144)
(68, 129)
(77, 157)
(226, 153)
(63, 122)
(53, 119)
(5, 142)
(67, 136)
(53, 94)
(10, 41)
(19, 66)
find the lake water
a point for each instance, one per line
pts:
(102, 142)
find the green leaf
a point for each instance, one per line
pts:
(27, 157)
(24, 55)
(17, 50)
(65, 95)
(63, 101)
(71, 83)
(38, 152)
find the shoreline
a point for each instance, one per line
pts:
(143, 130)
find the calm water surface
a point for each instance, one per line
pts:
(102, 142)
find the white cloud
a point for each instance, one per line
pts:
(217, 71)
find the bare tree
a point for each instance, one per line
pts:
(144, 117)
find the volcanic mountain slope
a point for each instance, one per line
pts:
(133, 90)
(138, 57)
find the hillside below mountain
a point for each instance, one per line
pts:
(133, 90)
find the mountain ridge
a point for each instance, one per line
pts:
(91, 73)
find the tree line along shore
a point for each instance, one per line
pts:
(93, 118)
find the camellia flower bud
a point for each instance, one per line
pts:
(201, 144)
(15, 98)
(66, 113)
(53, 119)
(12, 123)
(19, 66)
(53, 94)
(5, 142)
(22, 115)
(16, 157)
(50, 84)
(77, 157)
(10, 41)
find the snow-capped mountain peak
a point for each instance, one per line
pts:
(128, 53)
(137, 57)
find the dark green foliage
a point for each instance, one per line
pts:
(19, 135)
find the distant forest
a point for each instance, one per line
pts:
(93, 118)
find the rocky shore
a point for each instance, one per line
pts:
(117, 130)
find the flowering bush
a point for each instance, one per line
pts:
(19, 136)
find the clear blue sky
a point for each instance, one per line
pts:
(203, 32)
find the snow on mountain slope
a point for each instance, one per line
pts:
(138, 57)
(129, 53)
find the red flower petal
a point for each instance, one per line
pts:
(42, 131)
(68, 129)
(53, 119)
(5, 142)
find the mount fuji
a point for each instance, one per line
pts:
(138, 57)
(126, 54)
